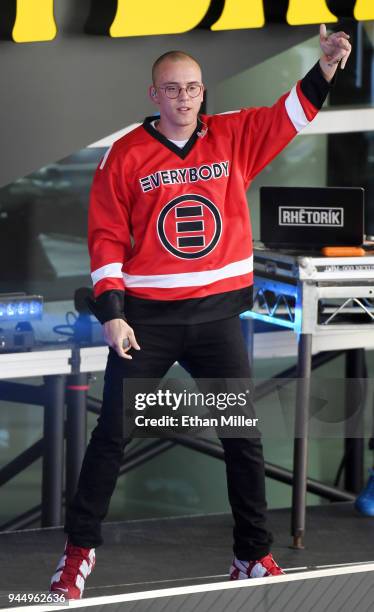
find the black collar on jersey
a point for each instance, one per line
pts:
(181, 152)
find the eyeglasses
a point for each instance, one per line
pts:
(173, 91)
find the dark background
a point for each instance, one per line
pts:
(57, 97)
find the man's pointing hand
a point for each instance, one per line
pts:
(336, 47)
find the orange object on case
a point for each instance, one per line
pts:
(343, 251)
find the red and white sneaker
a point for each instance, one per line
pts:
(266, 566)
(72, 570)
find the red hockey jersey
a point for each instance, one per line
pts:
(170, 227)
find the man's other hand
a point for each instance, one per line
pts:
(120, 336)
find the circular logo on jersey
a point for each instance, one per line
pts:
(189, 226)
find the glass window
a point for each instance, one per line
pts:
(265, 82)
(337, 157)
(43, 224)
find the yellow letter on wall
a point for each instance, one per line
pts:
(137, 18)
(302, 12)
(239, 14)
(364, 9)
(34, 21)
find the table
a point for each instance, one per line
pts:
(291, 290)
(65, 383)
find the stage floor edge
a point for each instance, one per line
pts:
(182, 563)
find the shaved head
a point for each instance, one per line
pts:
(177, 73)
(171, 56)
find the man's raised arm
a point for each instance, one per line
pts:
(263, 132)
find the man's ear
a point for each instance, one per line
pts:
(152, 93)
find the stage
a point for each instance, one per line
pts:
(187, 552)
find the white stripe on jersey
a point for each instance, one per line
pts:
(190, 279)
(107, 141)
(295, 110)
(103, 161)
(238, 110)
(112, 270)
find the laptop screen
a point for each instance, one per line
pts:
(311, 217)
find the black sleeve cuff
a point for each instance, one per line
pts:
(109, 305)
(315, 87)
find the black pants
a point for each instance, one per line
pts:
(206, 350)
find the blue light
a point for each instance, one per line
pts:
(35, 308)
(251, 314)
(23, 309)
(10, 309)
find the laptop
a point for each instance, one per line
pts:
(311, 217)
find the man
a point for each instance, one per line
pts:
(169, 227)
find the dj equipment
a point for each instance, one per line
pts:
(311, 217)
(20, 308)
